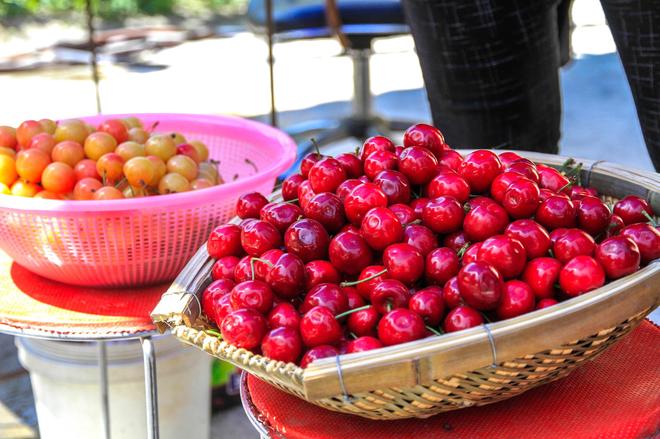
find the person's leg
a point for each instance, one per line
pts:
(635, 25)
(491, 70)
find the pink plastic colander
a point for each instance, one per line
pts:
(143, 241)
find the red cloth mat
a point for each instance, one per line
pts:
(35, 305)
(615, 396)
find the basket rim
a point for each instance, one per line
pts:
(284, 142)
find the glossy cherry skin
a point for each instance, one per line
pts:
(346, 187)
(449, 184)
(243, 270)
(443, 215)
(225, 240)
(249, 205)
(429, 304)
(593, 216)
(329, 295)
(361, 200)
(556, 212)
(455, 241)
(480, 285)
(252, 294)
(281, 215)
(550, 178)
(212, 293)
(389, 294)
(261, 269)
(316, 353)
(308, 161)
(508, 157)
(462, 317)
(400, 326)
(259, 236)
(545, 303)
(507, 255)
(426, 136)
(363, 287)
(501, 183)
(363, 322)
(395, 185)
(307, 239)
(305, 193)
(420, 237)
(403, 262)
(405, 213)
(326, 175)
(480, 168)
(320, 271)
(284, 315)
(572, 243)
(517, 299)
(556, 234)
(287, 276)
(522, 198)
(327, 209)
(380, 228)
(532, 235)
(243, 328)
(471, 253)
(441, 265)
(647, 239)
(418, 206)
(631, 209)
(525, 168)
(222, 308)
(576, 193)
(349, 253)
(362, 344)
(541, 274)
(351, 163)
(376, 143)
(224, 268)
(451, 293)
(354, 298)
(319, 327)
(379, 161)
(615, 226)
(418, 164)
(580, 275)
(484, 221)
(451, 159)
(282, 344)
(290, 186)
(619, 256)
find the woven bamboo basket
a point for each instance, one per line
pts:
(478, 366)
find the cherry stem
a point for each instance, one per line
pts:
(357, 282)
(357, 151)
(153, 126)
(556, 285)
(566, 186)
(295, 200)
(353, 335)
(316, 146)
(461, 251)
(435, 331)
(552, 254)
(566, 165)
(351, 311)
(417, 221)
(486, 317)
(252, 267)
(214, 332)
(650, 218)
(251, 163)
(388, 307)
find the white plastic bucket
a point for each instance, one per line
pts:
(65, 381)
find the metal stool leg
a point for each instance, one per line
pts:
(105, 406)
(149, 356)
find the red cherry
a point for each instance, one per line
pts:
(576, 193)
(353, 297)
(263, 265)
(309, 161)
(550, 178)
(351, 163)
(400, 326)
(501, 183)
(259, 236)
(362, 199)
(525, 168)
(281, 215)
(615, 226)
(418, 206)
(287, 277)
(224, 268)
(290, 186)
(429, 304)
(379, 161)
(362, 344)
(243, 328)
(327, 209)
(212, 293)
(556, 212)
(647, 239)
(376, 143)
(282, 344)
(455, 241)
(480, 168)
(350, 228)
(380, 228)
(307, 239)
(556, 234)
(395, 185)
(363, 322)
(462, 317)
(452, 294)
(572, 243)
(449, 184)
(349, 253)
(224, 240)
(316, 353)
(480, 285)
(532, 235)
(631, 209)
(580, 275)
(517, 299)
(222, 309)
(116, 129)
(451, 159)
(441, 265)
(418, 164)
(319, 327)
(284, 315)
(522, 198)
(404, 263)
(320, 271)
(326, 175)
(484, 221)
(545, 303)
(593, 216)
(426, 136)
(420, 237)
(508, 157)
(547, 193)
(541, 274)
(443, 215)
(619, 256)
(252, 294)
(471, 253)
(507, 255)
(305, 193)
(330, 296)
(243, 270)
(249, 205)
(405, 213)
(346, 187)
(389, 294)
(375, 273)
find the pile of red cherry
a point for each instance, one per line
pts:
(398, 243)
